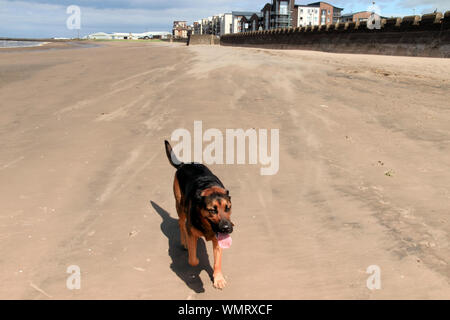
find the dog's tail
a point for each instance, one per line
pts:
(171, 156)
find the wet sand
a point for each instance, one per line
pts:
(364, 172)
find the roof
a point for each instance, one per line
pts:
(314, 4)
(243, 13)
(308, 5)
(267, 6)
(353, 13)
(257, 15)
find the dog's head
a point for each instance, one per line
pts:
(215, 206)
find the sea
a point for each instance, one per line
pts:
(19, 44)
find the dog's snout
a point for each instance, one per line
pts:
(226, 226)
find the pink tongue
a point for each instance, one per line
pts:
(224, 240)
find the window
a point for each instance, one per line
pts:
(283, 7)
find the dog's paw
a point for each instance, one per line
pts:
(219, 281)
(194, 261)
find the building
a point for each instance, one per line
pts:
(180, 29)
(278, 14)
(197, 27)
(281, 14)
(207, 25)
(251, 22)
(216, 24)
(329, 14)
(307, 15)
(241, 21)
(226, 24)
(124, 36)
(358, 16)
(100, 36)
(128, 35)
(286, 14)
(274, 15)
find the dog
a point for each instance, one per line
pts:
(204, 210)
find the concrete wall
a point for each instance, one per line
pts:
(428, 35)
(205, 39)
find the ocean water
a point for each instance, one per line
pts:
(18, 44)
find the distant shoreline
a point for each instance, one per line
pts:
(49, 44)
(36, 39)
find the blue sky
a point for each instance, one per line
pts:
(47, 18)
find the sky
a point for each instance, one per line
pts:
(47, 18)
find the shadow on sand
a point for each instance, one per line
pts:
(179, 255)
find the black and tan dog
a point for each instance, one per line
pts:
(204, 209)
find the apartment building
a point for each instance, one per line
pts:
(180, 29)
(329, 14)
(286, 14)
(281, 14)
(216, 24)
(226, 24)
(251, 22)
(206, 25)
(241, 21)
(274, 15)
(197, 27)
(307, 15)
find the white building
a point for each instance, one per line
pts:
(218, 25)
(100, 36)
(308, 16)
(128, 35)
(226, 24)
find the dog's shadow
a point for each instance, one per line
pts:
(179, 255)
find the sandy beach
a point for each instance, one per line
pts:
(364, 174)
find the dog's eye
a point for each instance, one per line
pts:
(213, 211)
(227, 208)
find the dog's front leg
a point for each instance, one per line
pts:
(219, 280)
(192, 249)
